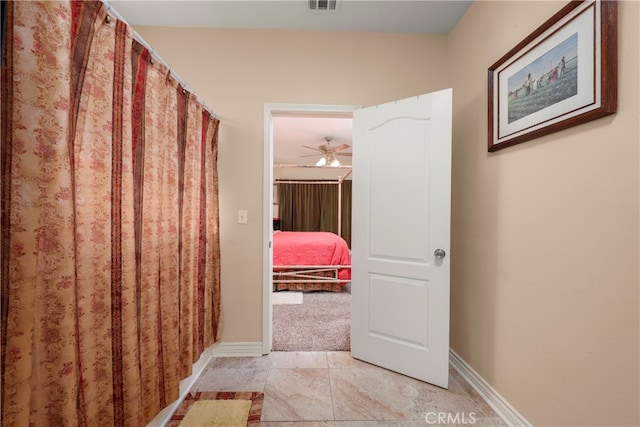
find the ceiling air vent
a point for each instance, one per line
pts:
(322, 4)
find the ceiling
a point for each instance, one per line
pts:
(414, 16)
(292, 133)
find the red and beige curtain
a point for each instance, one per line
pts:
(110, 248)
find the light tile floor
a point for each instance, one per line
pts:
(331, 389)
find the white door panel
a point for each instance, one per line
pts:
(401, 215)
(395, 304)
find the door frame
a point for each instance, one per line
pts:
(272, 110)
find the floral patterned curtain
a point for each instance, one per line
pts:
(110, 248)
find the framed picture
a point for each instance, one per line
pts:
(563, 74)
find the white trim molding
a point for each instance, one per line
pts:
(238, 349)
(507, 412)
(185, 386)
(220, 349)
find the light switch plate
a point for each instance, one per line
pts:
(242, 216)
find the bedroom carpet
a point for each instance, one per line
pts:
(321, 323)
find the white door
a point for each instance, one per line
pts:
(400, 236)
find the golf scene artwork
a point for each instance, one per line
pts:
(563, 74)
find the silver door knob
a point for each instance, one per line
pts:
(440, 253)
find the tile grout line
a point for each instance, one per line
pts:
(333, 408)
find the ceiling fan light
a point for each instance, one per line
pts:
(322, 162)
(334, 163)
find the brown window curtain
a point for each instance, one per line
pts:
(314, 207)
(346, 211)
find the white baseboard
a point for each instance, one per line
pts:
(185, 385)
(230, 349)
(238, 349)
(498, 403)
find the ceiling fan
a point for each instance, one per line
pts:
(329, 153)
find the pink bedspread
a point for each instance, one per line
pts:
(311, 248)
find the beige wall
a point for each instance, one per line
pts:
(237, 72)
(545, 238)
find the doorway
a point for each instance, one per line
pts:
(272, 111)
(401, 273)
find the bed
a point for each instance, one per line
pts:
(310, 261)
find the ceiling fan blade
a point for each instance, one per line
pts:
(343, 154)
(333, 148)
(340, 147)
(313, 148)
(310, 155)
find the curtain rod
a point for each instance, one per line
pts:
(111, 10)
